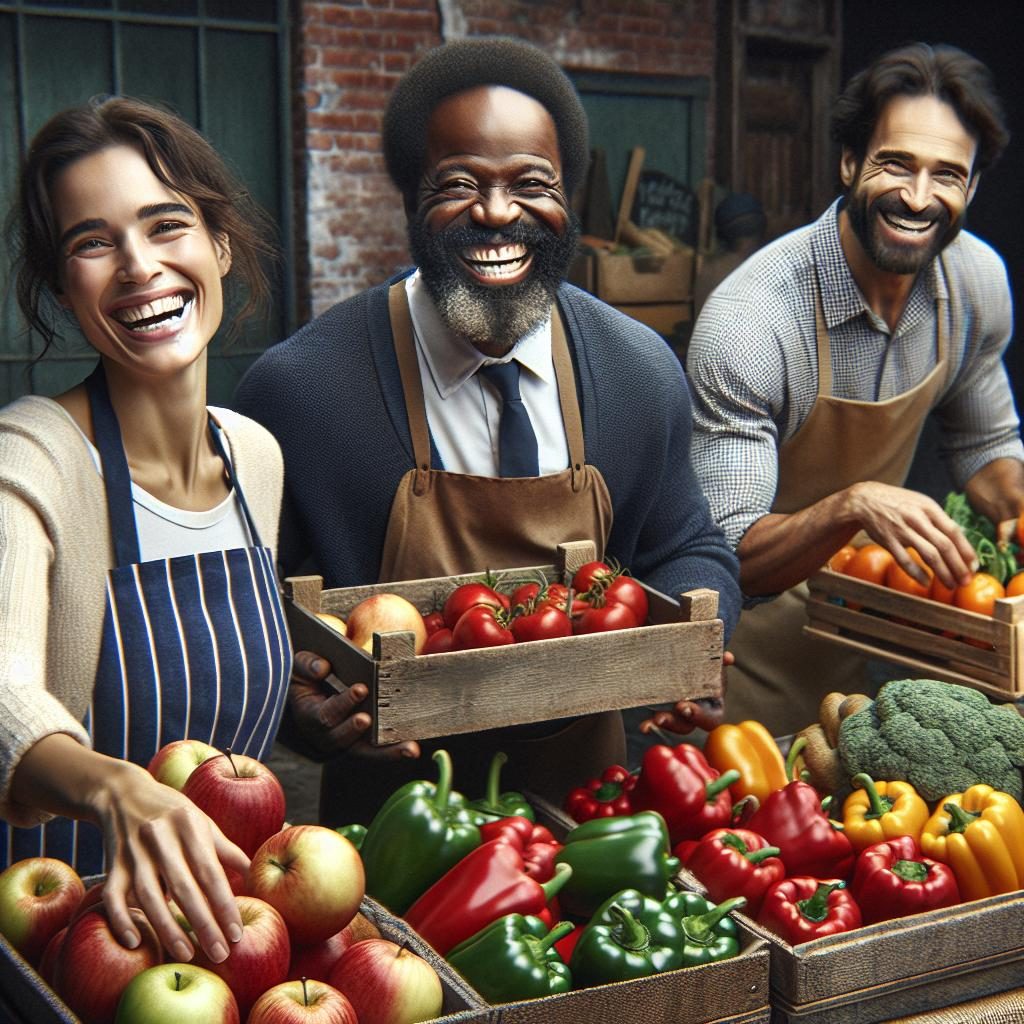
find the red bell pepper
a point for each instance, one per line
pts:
(892, 879)
(804, 908)
(734, 862)
(685, 790)
(809, 843)
(536, 843)
(605, 797)
(489, 882)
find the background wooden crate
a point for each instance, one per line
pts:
(994, 663)
(415, 697)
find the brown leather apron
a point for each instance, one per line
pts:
(780, 674)
(447, 523)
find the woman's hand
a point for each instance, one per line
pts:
(159, 845)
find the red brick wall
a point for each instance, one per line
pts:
(350, 54)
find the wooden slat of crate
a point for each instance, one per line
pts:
(677, 657)
(993, 664)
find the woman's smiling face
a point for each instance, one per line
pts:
(138, 267)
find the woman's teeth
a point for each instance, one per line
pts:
(150, 316)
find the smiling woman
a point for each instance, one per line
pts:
(138, 600)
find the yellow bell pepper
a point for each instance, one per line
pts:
(750, 749)
(882, 810)
(979, 833)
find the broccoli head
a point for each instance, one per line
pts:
(940, 737)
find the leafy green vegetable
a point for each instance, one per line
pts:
(999, 559)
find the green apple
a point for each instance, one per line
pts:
(175, 993)
(38, 895)
(174, 762)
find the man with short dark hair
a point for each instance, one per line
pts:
(390, 407)
(816, 363)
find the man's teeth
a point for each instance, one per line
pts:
(902, 224)
(497, 261)
(151, 315)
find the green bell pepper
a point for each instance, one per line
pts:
(610, 854)
(709, 934)
(514, 958)
(419, 833)
(355, 834)
(495, 804)
(631, 935)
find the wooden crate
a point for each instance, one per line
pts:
(677, 657)
(909, 631)
(912, 965)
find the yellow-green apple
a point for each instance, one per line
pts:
(385, 613)
(38, 895)
(316, 961)
(177, 994)
(305, 1001)
(313, 876)
(242, 795)
(174, 762)
(336, 622)
(387, 983)
(259, 959)
(93, 968)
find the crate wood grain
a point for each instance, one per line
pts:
(906, 966)
(878, 622)
(677, 657)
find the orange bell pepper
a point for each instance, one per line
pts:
(882, 810)
(979, 833)
(749, 749)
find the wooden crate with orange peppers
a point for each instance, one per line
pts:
(973, 635)
(883, 859)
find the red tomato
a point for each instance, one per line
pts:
(545, 623)
(625, 590)
(839, 561)
(479, 627)
(433, 621)
(587, 575)
(940, 592)
(600, 620)
(438, 642)
(897, 579)
(467, 596)
(870, 563)
(980, 594)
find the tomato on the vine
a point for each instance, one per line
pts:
(546, 623)
(469, 595)
(438, 642)
(604, 618)
(433, 621)
(626, 590)
(481, 626)
(589, 574)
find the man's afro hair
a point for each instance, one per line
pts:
(464, 64)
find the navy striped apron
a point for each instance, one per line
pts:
(194, 647)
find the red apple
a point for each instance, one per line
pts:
(336, 622)
(316, 961)
(93, 968)
(259, 959)
(385, 613)
(174, 762)
(302, 1002)
(313, 876)
(38, 895)
(242, 795)
(177, 994)
(387, 983)
(48, 961)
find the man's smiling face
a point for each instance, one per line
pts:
(492, 232)
(907, 199)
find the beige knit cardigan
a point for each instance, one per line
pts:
(55, 550)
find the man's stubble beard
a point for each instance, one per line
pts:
(492, 317)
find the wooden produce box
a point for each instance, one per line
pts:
(908, 630)
(624, 278)
(909, 966)
(415, 697)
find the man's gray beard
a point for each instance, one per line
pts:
(492, 319)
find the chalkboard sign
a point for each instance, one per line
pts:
(662, 202)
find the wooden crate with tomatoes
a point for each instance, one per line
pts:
(675, 655)
(882, 613)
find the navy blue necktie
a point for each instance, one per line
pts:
(517, 443)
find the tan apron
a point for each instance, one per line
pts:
(780, 674)
(446, 523)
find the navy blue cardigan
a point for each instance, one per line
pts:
(332, 396)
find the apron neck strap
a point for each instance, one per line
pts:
(412, 385)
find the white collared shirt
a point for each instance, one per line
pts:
(464, 410)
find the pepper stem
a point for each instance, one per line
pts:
(562, 874)
(959, 819)
(628, 931)
(910, 870)
(558, 931)
(815, 908)
(795, 749)
(879, 805)
(700, 928)
(754, 856)
(494, 779)
(443, 788)
(724, 781)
